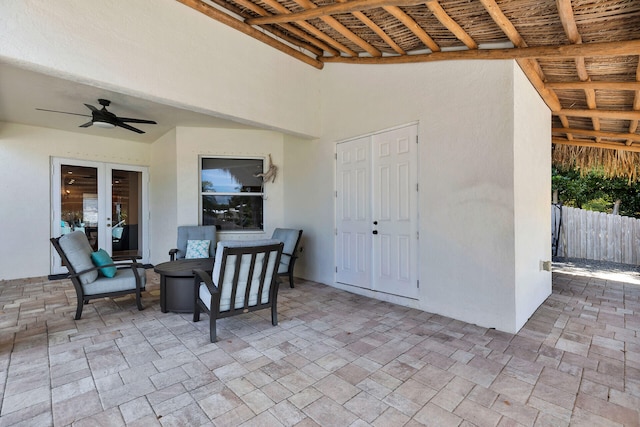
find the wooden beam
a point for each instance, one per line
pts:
(272, 29)
(565, 122)
(336, 25)
(317, 46)
(565, 11)
(568, 21)
(529, 67)
(623, 48)
(603, 114)
(379, 31)
(606, 145)
(412, 25)
(633, 126)
(234, 23)
(596, 133)
(332, 9)
(595, 85)
(444, 18)
(312, 30)
(503, 22)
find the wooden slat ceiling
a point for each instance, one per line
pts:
(580, 55)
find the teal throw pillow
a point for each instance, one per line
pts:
(100, 258)
(198, 248)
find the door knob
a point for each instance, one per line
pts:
(375, 231)
(375, 222)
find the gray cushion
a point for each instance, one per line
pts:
(195, 232)
(123, 280)
(78, 251)
(224, 287)
(289, 237)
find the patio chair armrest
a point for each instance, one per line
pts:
(77, 274)
(202, 276)
(133, 266)
(120, 265)
(130, 265)
(131, 258)
(172, 254)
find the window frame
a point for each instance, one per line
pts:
(202, 193)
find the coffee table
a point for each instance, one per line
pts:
(176, 283)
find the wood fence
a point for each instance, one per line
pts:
(578, 233)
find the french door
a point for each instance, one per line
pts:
(108, 202)
(377, 213)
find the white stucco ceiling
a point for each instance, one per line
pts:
(22, 91)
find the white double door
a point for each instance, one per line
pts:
(377, 212)
(108, 202)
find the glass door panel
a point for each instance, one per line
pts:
(79, 201)
(126, 215)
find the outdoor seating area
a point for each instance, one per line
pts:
(334, 358)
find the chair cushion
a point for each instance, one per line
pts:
(195, 232)
(78, 251)
(197, 249)
(100, 258)
(123, 280)
(289, 237)
(225, 284)
(284, 265)
(205, 297)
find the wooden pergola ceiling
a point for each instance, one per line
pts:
(582, 56)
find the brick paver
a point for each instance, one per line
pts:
(334, 359)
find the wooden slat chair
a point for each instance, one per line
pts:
(75, 251)
(245, 273)
(291, 238)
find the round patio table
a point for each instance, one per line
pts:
(176, 283)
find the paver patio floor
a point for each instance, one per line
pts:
(335, 359)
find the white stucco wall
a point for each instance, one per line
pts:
(176, 171)
(25, 184)
(163, 203)
(297, 210)
(466, 166)
(532, 198)
(162, 51)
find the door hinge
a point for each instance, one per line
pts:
(417, 235)
(417, 187)
(416, 139)
(336, 268)
(418, 283)
(336, 194)
(335, 231)
(335, 156)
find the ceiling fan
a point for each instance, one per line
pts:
(104, 118)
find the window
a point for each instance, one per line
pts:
(231, 193)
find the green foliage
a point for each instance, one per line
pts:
(593, 191)
(599, 205)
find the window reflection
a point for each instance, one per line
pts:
(232, 193)
(79, 201)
